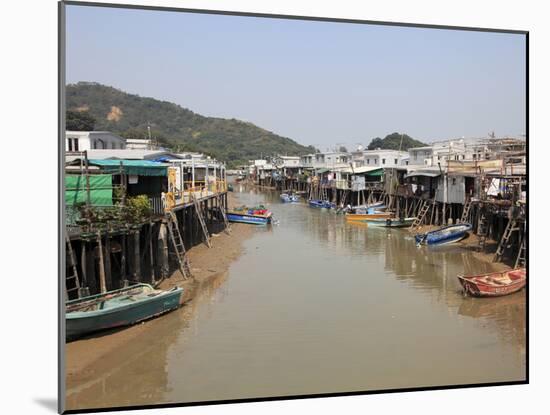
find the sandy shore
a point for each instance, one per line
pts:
(206, 265)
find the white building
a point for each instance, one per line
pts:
(287, 161)
(93, 140)
(328, 160)
(382, 158)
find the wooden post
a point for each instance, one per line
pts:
(123, 261)
(108, 275)
(84, 289)
(137, 265)
(102, 284)
(163, 251)
(151, 256)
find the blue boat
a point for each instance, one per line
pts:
(253, 216)
(286, 198)
(445, 235)
(321, 204)
(118, 308)
(250, 219)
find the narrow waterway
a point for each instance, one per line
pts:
(315, 305)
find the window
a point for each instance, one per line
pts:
(95, 144)
(383, 161)
(394, 161)
(368, 161)
(415, 155)
(475, 156)
(463, 157)
(72, 144)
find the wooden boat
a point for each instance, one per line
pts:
(289, 198)
(251, 215)
(118, 308)
(321, 204)
(445, 235)
(358, 217)
(495, 284)
(391, 222)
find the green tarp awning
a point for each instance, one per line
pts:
(375, 173)
(321, 171)
(131, 167)
(101, 189)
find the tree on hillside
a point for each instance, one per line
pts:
(342, 149)
(79, 121)
(393, 142)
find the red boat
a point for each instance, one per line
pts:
(494, 284)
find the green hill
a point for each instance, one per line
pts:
(393, 141)
(176, 127)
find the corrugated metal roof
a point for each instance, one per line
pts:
(423, 173)
(360, 170)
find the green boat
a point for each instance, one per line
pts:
(118, 308)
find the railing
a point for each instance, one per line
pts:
(157, 205)
(198, 189)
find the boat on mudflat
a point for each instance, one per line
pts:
(391, 222)
(289, 198)
(251, 215)
(445, 235)
(494, 284)
(321, 204)
(360, 217)
(117, 308)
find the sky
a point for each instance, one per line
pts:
(319, 83)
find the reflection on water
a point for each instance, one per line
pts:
(316, 305)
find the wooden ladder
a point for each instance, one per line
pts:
(74, 275)
(200, 215)
(520, 260)
(482, 230)
(421, 215)
(177, 244)
(466, 211)
(511, 227)
(225, 221)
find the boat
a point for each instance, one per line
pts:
(363, 217)
(445, 235)
(321, 204)
(258, 215)
(122, 307)
(391, 222)
(289, 198)
(494, 284)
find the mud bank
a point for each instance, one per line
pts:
(207, 265)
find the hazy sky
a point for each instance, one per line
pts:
(319, 83)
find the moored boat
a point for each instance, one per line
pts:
(321, 204)
(445, 235)
(391, 222)
(122, 307)
(251, 215)
(494, 284)
(289, 198)
(359, 217)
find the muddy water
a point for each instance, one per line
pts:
(315, 305)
